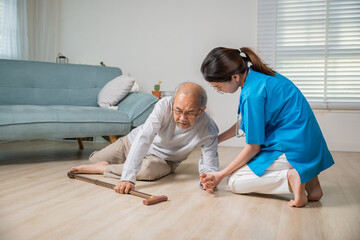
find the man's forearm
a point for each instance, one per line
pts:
(128, 176)
(137, 152)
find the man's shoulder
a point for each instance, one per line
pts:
(210, 124)
(165, 102)
(163, 106)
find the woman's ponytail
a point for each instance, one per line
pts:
(257, 63)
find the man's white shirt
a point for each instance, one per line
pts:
(160, 136)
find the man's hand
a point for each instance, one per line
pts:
(210, 180)
(124, 187)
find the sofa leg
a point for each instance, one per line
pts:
(112, 139)
(81, 145)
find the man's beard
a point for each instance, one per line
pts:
(182, 123)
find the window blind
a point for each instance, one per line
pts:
(316, 44)
(1, 24)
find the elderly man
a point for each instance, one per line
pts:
(153, 150)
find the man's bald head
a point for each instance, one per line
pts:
(191, 89)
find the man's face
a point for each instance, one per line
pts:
(186, 109)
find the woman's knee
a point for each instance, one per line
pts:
(237, 185)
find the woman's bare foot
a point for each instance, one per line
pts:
(98, 167)
(298, 189)
(313, 189)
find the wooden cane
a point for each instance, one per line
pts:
(149, 199)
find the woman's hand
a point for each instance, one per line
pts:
(210, 180)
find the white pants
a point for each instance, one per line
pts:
(273, 181)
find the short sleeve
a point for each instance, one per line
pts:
(253, 116)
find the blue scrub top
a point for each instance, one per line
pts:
(276, 115)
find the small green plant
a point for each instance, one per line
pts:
(157, 86)
(102, 63)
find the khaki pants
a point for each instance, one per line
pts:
(273, 181)
(116, 153)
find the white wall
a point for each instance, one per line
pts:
(341, 129)
(167, 40)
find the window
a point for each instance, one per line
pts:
(316, 44)
(13, 25)
(1, 24)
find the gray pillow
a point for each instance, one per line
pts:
(114, 91)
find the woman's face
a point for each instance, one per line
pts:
(229, 86)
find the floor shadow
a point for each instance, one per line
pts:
(39, 156)
(37, 151)
(169, 179)
(282, 197)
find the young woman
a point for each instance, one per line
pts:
(285, 150)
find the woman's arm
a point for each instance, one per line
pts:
(243, 158)
(230, 133)
(210, 181)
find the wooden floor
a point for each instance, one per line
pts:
(38, 201)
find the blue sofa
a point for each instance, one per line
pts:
(41, 100)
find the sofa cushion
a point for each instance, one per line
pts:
(137, 106)
(62, 130)
(39, 122)
(20, 114)
(115, 90)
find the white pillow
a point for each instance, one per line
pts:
(114, 91)
(135, 88)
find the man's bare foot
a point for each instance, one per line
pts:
(313, 189)
(297, 188)
(98, 167)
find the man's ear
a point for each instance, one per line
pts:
(203, 109)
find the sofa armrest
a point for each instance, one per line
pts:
(137, 103)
